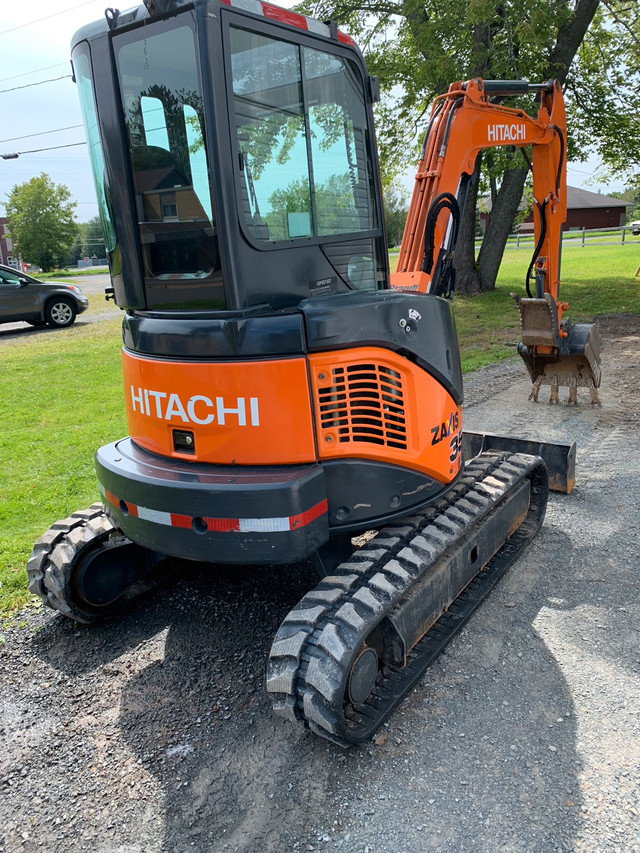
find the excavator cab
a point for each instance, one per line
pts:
(239, 166)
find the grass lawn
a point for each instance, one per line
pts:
(61, 398)
(69, 273)
(61, 393)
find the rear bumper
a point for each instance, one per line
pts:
(225, 514)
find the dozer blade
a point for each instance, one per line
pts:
(356, 644)
(558, 456)
(572, 361)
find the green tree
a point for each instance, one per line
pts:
(604, 95)
(88, 242)
(632, 196)
(418, 47)
(93, 243)
(294, 198)
(76, 251)
(334, 203)
(41, 221)
(395, 214)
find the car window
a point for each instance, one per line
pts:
(9, 278)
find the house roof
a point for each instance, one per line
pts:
(156, 180)
(577, 199)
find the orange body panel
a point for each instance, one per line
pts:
(411, 280)
(244, 413)
(371, 403)
(366, 403)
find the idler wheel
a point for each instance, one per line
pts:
(363, 675)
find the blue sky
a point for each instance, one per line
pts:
(34, 47)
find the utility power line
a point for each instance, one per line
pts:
(41, 133)
(46, 17)
(16, 154)
(28, 85)
(35, 71)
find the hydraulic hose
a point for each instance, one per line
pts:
(543, 233)
(436, 113)
(542, 210)
(561, 159)
(443, 201)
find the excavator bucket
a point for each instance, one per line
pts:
(565, 354)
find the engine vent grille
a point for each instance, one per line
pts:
(364, 403)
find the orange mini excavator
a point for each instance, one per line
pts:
(281, 396)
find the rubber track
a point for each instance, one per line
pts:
(313, 650)
(55, 554)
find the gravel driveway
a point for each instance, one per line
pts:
(153, 732)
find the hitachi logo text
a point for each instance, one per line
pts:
(506, 132)
(197, 409)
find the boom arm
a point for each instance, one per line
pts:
(462, 123)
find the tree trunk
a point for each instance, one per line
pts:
(478, 276)
(506, 203)
(499, 226)
(467, 278)
(570, 38)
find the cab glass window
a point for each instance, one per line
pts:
(301, 124)
(82, 68)
(163, 110)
